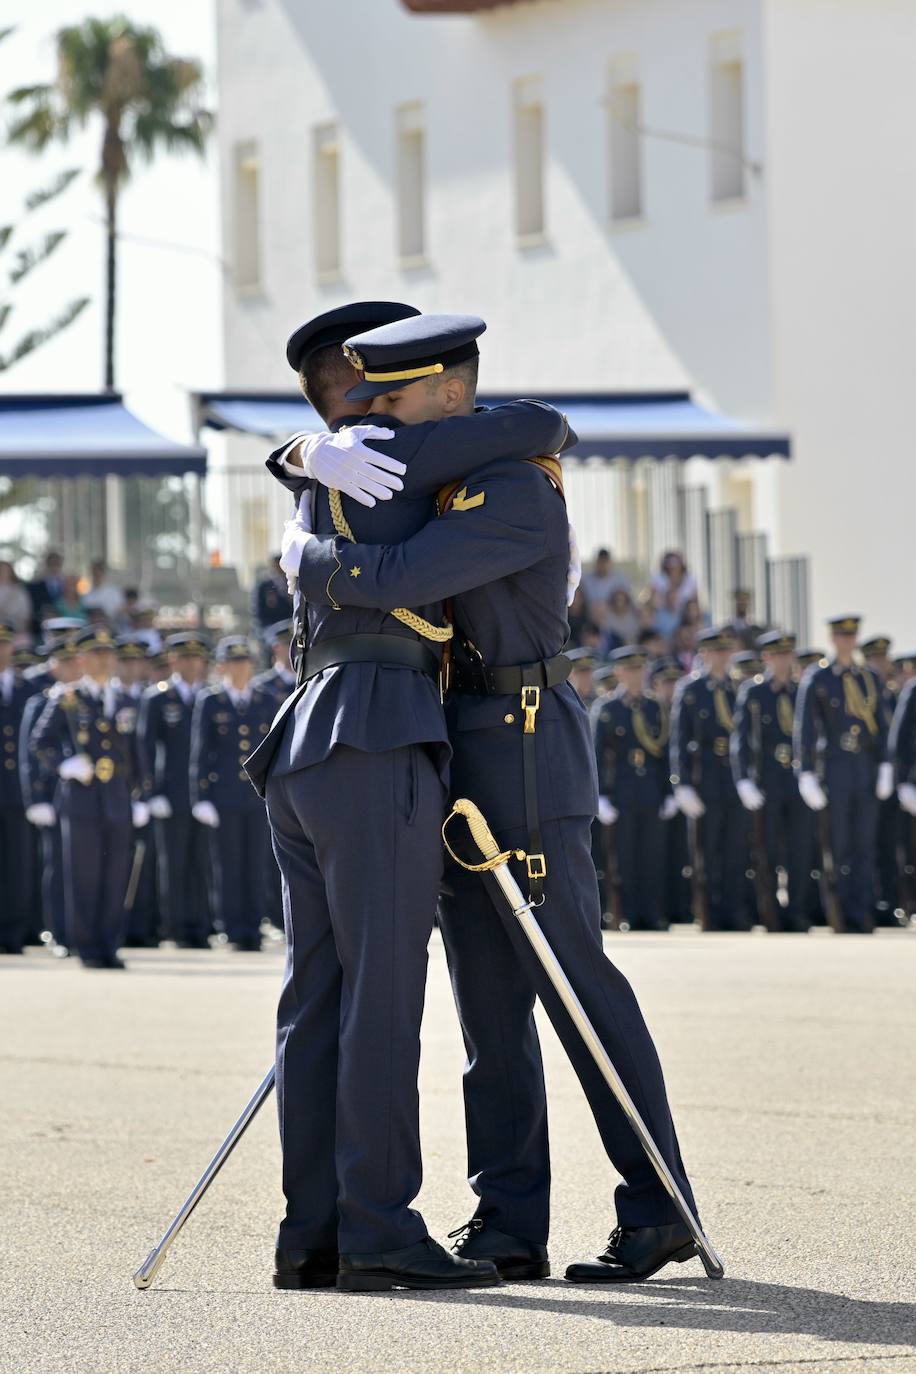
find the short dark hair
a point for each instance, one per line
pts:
(466, 372)
(322, 373)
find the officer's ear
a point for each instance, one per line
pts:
(454, 396)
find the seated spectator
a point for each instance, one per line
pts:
(621, 618)
(600, 584)
(103, 595)
(45, 590)
(69, 602)
(15, 602)
(673, 585)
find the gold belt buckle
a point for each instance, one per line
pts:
(720, 746)
(784, 754)
(849, 743)
(104, 769)
(531, 704)
(537, 863)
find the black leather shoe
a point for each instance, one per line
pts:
(305, 1268)
(424, 1265)
(514, 1258)
(634, 1253)
(111, 962)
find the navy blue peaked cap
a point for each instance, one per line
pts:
(777, 642)
(397, 354)
(233, 647)
(334, 326)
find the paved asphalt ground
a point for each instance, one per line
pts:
(791, 1063)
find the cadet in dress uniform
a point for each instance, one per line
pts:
(279, 680)
(631, 744)
(702, 720)
(271, 602)
(229, 721)
(664, 674)
(876, 653)
(500, 550)
(901, 749)
(356, 793)
(143, 920)
(86, 737)
(840, 751)
(16, 872)
(62, 669)
(164, 740)
(761, 757)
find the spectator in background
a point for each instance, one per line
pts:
(15, 602)
(69, 602)
(621, 618)
(45, 591)
(144, 615)
(600, 584)
(577, 615)
(684, 646)
(652, 643)
(270, 601)
(103, 595)
(741, 626)
(672, 585)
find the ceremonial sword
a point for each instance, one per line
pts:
(496, 863)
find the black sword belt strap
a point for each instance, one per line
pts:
(529, 680)
(394, 651)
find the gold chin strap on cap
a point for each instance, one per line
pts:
(439, 634)
(483, 837)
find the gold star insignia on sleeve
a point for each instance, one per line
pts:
(355, 571)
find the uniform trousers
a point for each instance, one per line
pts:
(181, 850)
(357, 840)
(852, 818)
(15, 875)
(96, 856)
(788, 827)
(53, 897)
(239, 852)
(724, 832)
(496, 976)
(641, 862)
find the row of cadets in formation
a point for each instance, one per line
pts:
(93, 751)
(775, 787)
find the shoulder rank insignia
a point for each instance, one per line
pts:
(462, 501)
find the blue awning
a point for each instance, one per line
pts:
(86, 436)
(666, 424)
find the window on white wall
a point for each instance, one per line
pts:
(529, 158)
(624, 142)
(327, 200)
(726, 117)
(411, 136)
(247, 217)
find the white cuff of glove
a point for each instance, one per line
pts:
(206, 813)
(669, 809)
(574, 570)
(884, 787)
(750, 794)
(160, 807)
(812, 794)
(906, 795)
(342, 461)
(689, 801)
(40, 814)
(294, 541)
(139, 814)
(77, 768)
(607, 811)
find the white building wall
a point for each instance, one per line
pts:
(842, 178)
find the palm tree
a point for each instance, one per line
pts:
(147, 99)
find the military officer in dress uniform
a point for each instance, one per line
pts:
(523, 751)
(902, 755)
(761, 757)
(840, 749)
(876, 652)
(142, 917)
(62, 669)
(356, 792)
(228, 722)
(16, 872)
(702, 720)
(164, 741)
(86, 737)
(279, 679)
(631, 744)
(745, 666)
(664, 673)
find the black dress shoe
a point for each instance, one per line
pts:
(424, 1265)
(636, 1252)
(110, 963)
(247, 946)
(198, 942)
(514, 1258)
(11, 949)
(305, 1268)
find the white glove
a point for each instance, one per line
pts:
(751, 796)
(296, 534)
(77, 768)
(342, 461)
(607, 811)
(206, 813)
(574, 571)
(812, 794)
(689, 801)
(669, 808)
(906, 794)
(160, 807)
(884, 787)
(40, 814)
(139, 814)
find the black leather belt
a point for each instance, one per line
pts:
(393, 651)
(481, 680)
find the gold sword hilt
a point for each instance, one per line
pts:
(482, 836)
